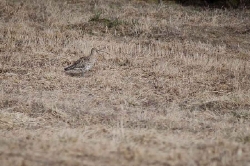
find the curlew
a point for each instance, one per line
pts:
(84, 63)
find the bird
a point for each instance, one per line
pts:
(84, 63)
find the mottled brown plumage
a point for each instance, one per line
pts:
(85, 63)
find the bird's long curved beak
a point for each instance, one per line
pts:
(101, 50)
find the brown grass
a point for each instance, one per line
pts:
(173, 90)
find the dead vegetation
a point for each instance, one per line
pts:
(173, 90)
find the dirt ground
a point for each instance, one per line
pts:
(173, 87)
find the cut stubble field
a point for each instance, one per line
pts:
(174, 88)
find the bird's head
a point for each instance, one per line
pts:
(94, 51)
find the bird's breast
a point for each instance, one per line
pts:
(88, 66)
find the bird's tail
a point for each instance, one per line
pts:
(69, 67)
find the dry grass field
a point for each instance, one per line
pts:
(173, 90)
